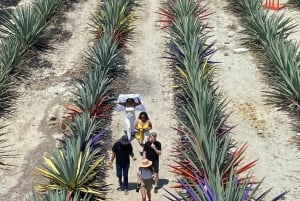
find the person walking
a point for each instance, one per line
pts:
(145, 177)
(122, 150)
(130, 105)
(143, 125)
(152, 151)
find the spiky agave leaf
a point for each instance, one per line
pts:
(284, 74)
(6, 150)
(58, 195)
(114, 18)
(73, 169)
(26, 28)
(105, 57)
(172, 10)
(83, 126)
(264, 28)
(47, 9)
(91, 95)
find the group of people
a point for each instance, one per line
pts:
(122, 150)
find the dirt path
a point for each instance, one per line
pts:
(151, 80)
(267, 131)
(34, 125)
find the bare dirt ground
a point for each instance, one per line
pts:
(34, 125)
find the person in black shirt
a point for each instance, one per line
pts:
(122, 149)
(151, 151)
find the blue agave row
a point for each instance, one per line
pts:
(208, 164)
(268, 34)
(76, 170)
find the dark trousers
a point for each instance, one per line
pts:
(123, 171)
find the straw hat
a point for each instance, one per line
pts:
(145, 163)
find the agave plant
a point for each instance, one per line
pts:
(91, 96)
(263, 28)
(74, 169)
(269, 33)
(26, 27)
(85, 128)
(284, 74)
(114, 18)
(58, 195)
(173, 10)
(47, 9)
(105, 57)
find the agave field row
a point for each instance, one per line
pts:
(268, 35)
(22, 31)
(75, 169)
(209, 166)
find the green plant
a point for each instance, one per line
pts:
(73, 169)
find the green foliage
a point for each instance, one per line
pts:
(22, 29)
(269, 33)
(25, 27)
(5, 150)
(115, 18)
(105, 57)
(73, 169)
(284, 74)
(83, 126)
(47, 9)
(58, 195)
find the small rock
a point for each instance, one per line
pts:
(226, 43)
(260, 132)
(226, 54)
(52, 118)
(240, 50)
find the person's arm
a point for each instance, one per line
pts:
(156, 149)
(123, 104)
(138, 102)
(132, 156)
(136, 124)
(131, 152)
(113, 156)
(149, 125)
(145, 151)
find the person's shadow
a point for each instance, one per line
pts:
(162, 183)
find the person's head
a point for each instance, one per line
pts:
(124, 140)
(145, 163)
(143, 116)
(153, 136)
(130, 100)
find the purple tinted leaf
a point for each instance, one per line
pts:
(246, 193)
(280, 196)
(173, 197)
(263, 195)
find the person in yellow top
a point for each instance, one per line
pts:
(143, 125)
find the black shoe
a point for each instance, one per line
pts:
(155, 190)
(138, 186)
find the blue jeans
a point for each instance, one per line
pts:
(123, 170)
